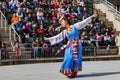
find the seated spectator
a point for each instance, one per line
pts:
(112, 39)
(18, 4)
(11, 4)
(19, 13)
(59, 14)
(56, 4)
(67, 2)
(80, 3)
(24, 34)
(53, 16)
(79, 12)
(14, 18)
(50, 31)
(28, 27)
(99, 39)
(40, 14)
(19, 25)
(35, 25)
(72, 16)
(106, 39)
(24, 4)
(40, 31)
(85, 13)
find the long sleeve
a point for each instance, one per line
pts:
(82, 24)
(58, 38)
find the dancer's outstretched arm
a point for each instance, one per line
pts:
(84, 23)
(57, 38)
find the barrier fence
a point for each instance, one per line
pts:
(42, 53)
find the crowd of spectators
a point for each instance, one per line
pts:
(34, 19)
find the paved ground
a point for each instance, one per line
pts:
(94, 70)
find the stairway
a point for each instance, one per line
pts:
(25, 54)
(102, 16)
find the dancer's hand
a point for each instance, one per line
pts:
(95, 14)
(45, 38)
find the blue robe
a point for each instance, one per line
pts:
(69, 65)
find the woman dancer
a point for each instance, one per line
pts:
(72, 62)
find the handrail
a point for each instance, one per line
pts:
(15, 33)
(1, 22)
(110, 7)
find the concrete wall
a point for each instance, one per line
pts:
(109, 15)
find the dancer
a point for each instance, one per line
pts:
(72, 62)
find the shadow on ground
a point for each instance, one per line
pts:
(97, 74)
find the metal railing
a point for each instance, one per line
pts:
(29, 53)
(110, 8)
(3, 21)
(13, 32)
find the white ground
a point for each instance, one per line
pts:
(93, 70)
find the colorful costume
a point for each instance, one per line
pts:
(72, 62)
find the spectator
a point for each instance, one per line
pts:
(56, 4)
(11, 4)
(24, 34)
(16, 47)
(40, 14)
(40, 31)
(19, 25)
(35, 46)
(14, 18)
(53, 16)
(19, 13)
(24, 4)
(106, 38)
(80, 3)
(4, 51)
(99, 39)
(112, 39)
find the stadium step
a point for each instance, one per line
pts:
(24, 55)
(102, 16)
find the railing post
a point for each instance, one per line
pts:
(94, 53)
(119, 50)
(0, 57)
(1, 21)
(10, 33)
(34, 56)
(5, 25)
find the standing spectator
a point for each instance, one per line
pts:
(35, 46)
(4, 51)
(16, 47)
